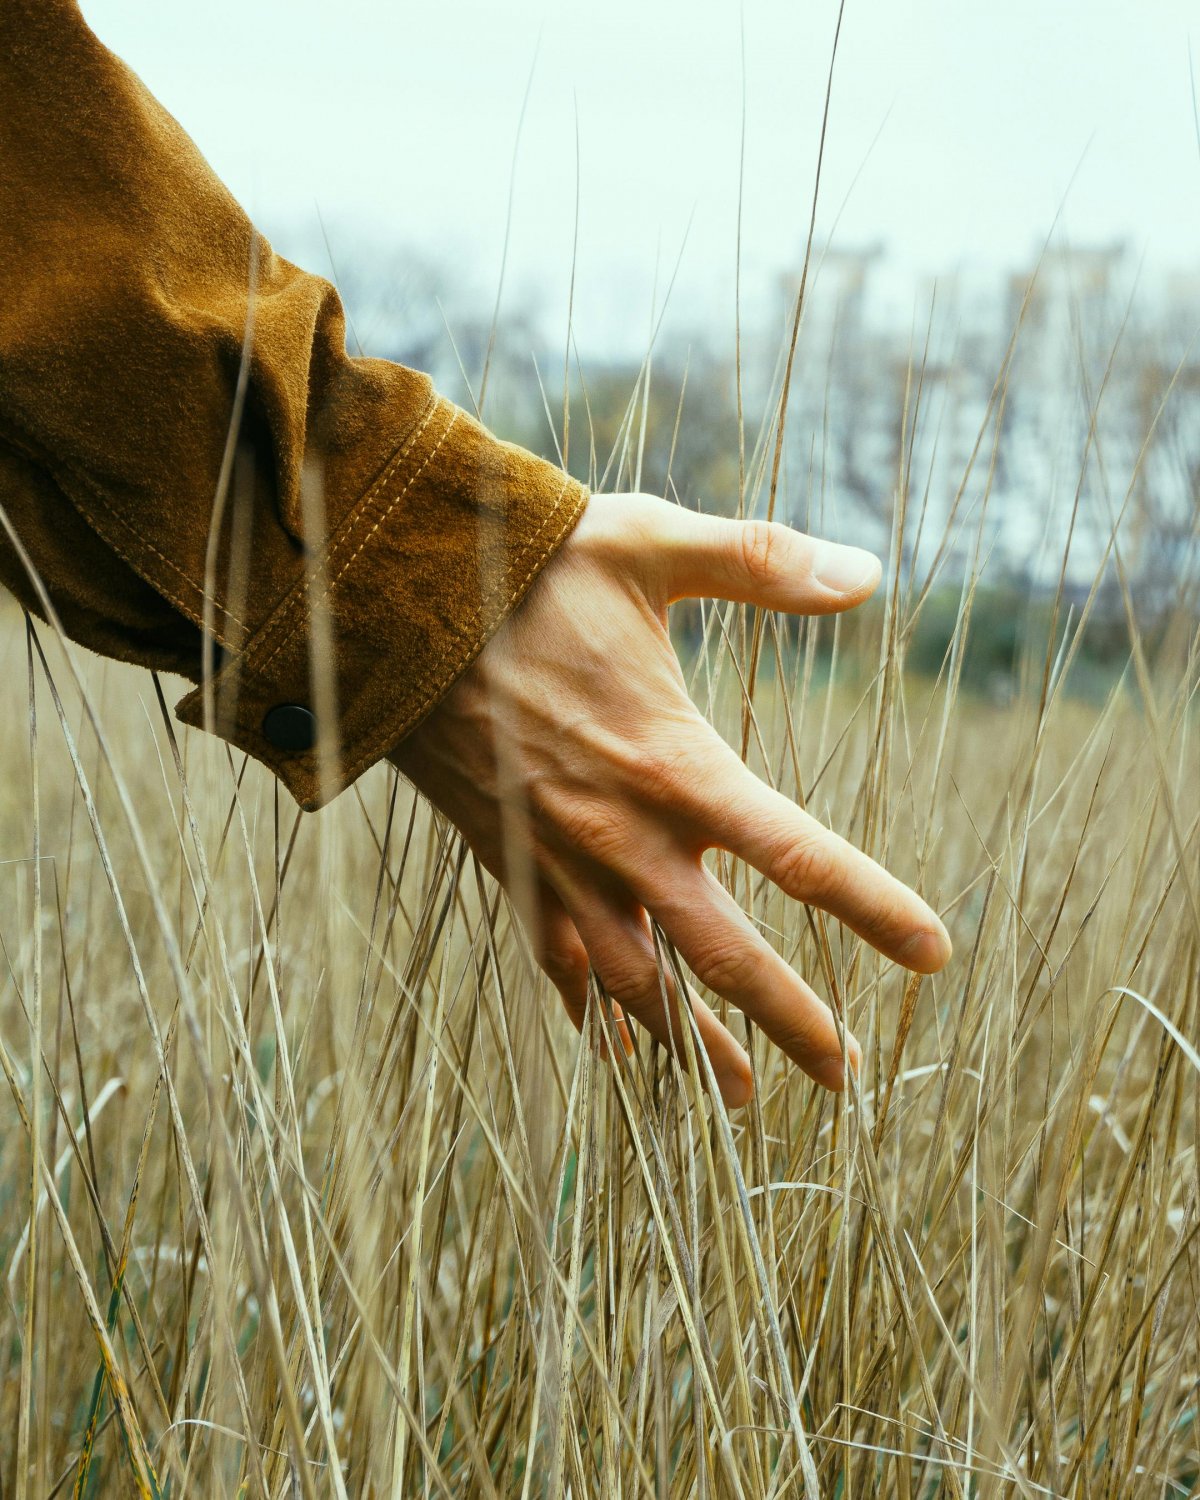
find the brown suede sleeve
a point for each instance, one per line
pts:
(186, 447)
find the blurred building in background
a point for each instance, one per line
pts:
(1012, 424)
(1031, 421)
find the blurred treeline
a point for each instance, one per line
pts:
(1028, 446)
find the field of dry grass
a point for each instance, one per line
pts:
(307, 1188)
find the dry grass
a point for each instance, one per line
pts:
(307, 1187)
(327, 1199)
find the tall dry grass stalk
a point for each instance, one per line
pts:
(308, 1188)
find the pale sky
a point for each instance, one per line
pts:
(964, 123)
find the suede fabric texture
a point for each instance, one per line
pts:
(187, 449)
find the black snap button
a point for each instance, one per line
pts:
(290, 726)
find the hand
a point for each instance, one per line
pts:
(587, 782)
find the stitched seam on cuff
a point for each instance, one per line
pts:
(253, 658)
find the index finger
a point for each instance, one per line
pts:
(719, 944)
(731, 809)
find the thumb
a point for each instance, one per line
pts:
(761, 562)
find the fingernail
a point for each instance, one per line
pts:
(927, 951)
(845, 570)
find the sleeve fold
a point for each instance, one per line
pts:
(348, 539)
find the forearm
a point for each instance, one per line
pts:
(143, 322)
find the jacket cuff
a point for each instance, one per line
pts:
(395, 604)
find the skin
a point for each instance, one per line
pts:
(584, 778)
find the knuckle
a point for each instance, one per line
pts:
(759, 542)
(663, 774)
(804, 868)
(672, 767)
(732, 969)
(594, 829)
(635, 982)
